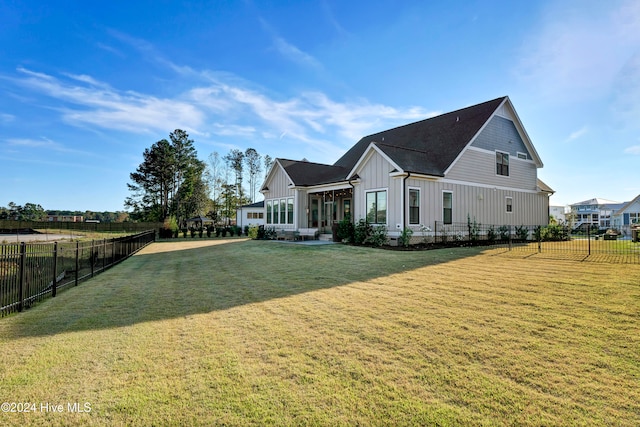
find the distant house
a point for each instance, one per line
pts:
(252, 214)
(477, 162)
(595, 212)
(628, 214)
(558, 212)
(65, 218)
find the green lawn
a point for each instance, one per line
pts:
(233, 332)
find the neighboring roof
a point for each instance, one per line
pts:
(259, 204)
(303, 173)
(596, 201)
(628, 204)
(428, 146)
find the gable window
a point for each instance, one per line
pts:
(377, 207)
(509, 202)
(522, 156)
(502, 163)
(414, 206)
(447, 207)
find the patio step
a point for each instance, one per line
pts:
(326, 237)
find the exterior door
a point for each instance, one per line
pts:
(328, 216)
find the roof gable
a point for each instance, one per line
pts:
(429, 146)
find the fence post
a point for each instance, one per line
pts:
(23, 255)
(91, 257)
(55, 269)
(589, 238)
(104, 253)
(77, 261)
(510, 238)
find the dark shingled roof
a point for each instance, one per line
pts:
(305, 173)
(429, 146)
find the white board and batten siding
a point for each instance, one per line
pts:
(279, 187)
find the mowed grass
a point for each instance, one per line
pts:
(231, 332)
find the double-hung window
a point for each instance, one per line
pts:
(377, 207)
(414, 206)
(447, 207)
(509, 203)
(502, 163)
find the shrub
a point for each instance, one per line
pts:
(209, 230)
(270, 233)
(200, 232)
(522, 233)
(362, 230)
(504, 232)
(474, 229)
(491, 234)
(346, 230)
(405, 237)
(246, 230)
(252, 232)
(378, 236)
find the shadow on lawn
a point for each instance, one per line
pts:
(173, 284)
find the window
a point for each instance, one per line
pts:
(283, 211)
(522, 156)
(502, 163)
(509, 204)
(290, 210)
(276, 209)
(269, 207)
(414, 206)
(377, 207)
(447, 207)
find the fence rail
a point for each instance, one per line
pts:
(554, 240)
(30, 272)
(128, 227)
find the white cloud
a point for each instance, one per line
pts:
(42, 144)
(577, 134)
(6, 118)
(634, 149)
(98, 104)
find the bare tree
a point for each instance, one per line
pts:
(252, 161)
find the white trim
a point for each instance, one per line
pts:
(374, 190)
(497, 187)
(364, 158)
(495, 162)
(519, 127)
(410, 187)
(507, 204)
(325, 187)
(442, 205)
(485, 151)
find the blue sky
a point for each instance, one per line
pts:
(85, 87)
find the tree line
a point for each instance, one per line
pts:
(35, 212)
(172, 184)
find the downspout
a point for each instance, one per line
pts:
(405, 211)
(353, 200)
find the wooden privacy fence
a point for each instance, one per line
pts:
(30, 272)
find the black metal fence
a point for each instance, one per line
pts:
(554, 240)
(128, 227)
(30, 272)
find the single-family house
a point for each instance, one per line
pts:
(558, 213)
(475, 163)
(251, 214)
(595, 212)
(626, 216)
